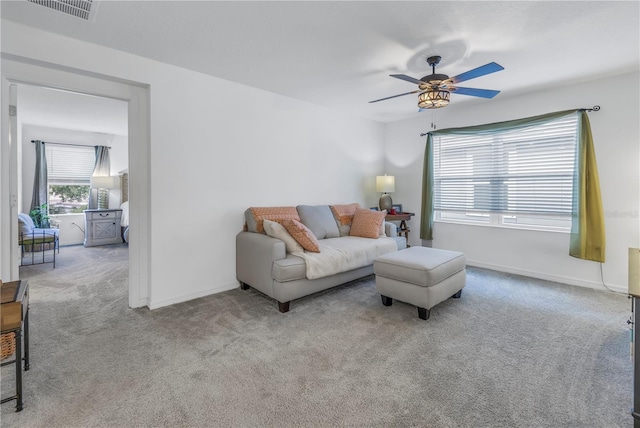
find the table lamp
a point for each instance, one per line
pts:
(103, 184)
(385, 184)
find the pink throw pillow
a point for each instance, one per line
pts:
(302, 234)
(367, 223)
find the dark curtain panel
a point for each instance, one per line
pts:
(103, 164)
(102, 169)
(40, 178)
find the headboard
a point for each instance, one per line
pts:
(124, 186)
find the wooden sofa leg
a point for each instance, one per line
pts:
(457, 295)
(283, 306)
(424, 313)
(387, 301)
(244, 286)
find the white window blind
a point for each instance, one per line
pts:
(523, 171)
(69, 164)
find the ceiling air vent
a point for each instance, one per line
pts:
(77, 8)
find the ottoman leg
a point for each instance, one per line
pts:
(387, 301)
(424, 313)
(457, 295)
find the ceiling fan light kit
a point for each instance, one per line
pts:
(433, 99)
(435, 89)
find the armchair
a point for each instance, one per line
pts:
(37, 240)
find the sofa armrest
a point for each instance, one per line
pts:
(390, 229)
(255, 254)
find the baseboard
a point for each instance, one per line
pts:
(554, 278)
(141, 303)
(202, 293)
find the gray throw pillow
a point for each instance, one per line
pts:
(319, 219)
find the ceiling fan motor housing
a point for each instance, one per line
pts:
(431, 80)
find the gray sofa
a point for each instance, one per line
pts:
(262, 261)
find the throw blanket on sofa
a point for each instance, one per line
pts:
(343, 254)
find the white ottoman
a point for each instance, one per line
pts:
(420, 276)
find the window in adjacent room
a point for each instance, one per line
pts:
(521, 178)
(69, 170)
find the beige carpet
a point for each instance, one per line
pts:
(512, 352)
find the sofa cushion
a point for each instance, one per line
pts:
(254, 216)
(344, 216)
(367, 223)
(344, 254)
(290, 268)
(302, 234)
(38, 236)
(319, 219)
(276, 230)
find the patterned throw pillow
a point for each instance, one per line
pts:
(344, 216)
(367, 223)
(302, 234)
(276, 230)
(256, 215)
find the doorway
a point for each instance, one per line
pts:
(16, 72)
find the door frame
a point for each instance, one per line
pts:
(19, 70)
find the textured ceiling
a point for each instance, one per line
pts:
(340, 54)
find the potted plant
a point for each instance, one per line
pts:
(40, 216)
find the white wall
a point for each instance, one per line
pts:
(217, 148)
(539, 254)
(71, 225)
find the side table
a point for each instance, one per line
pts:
(402, 218)
(102, 227)
(14, 318)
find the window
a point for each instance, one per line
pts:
(513, 178)
(69, 170)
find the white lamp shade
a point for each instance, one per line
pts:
(105, 182)
(385, 183)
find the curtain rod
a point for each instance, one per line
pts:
(67, 144)
(594, 108)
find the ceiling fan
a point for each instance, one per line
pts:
(435, 89)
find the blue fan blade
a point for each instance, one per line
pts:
(483, 93)
(394, 96)
(407, 78)
(492, 67)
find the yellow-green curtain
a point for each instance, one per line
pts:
(587, 229)
(587, 217)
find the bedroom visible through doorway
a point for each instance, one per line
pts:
(74, 127)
